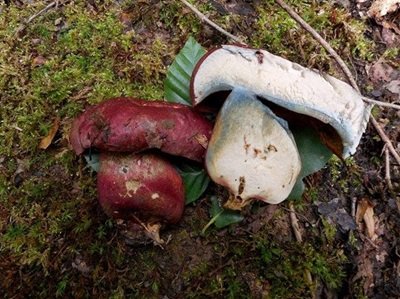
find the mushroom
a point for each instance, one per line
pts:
(135, 181)
(252, 152)
(332, 106)
(140, 188)
(133, 125)
(265, 89)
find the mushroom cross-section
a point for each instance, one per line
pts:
(252, 152)
(333, 103)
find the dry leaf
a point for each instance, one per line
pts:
(46, 141)
(381, 8)
(393, 87)
(365, 211)
(361, 208)
(370, 222)
(38, 61)
(336, 214)
(381, 71)
(390, 38)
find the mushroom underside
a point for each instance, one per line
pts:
(337, 108)
(326, 132)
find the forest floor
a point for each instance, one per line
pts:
(55, 241)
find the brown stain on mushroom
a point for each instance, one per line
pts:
(246, 145)
(260, 57)
(257, 152)
(242, 184)
(270, 148)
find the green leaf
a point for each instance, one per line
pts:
(93, 161)
(313, 154)
(222, 217)
(177, 82)
(195, 180)
(176, 90)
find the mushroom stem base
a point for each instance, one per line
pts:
(236, 203)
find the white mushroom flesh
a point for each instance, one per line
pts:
(251, 151)
(286, 84)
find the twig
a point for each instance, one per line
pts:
(203, 18)
(387, 168)
(380, 103)
(298, 214)
(353, 207)
(385, 139)
(344, 68)
(296, 229)
(54, 3)
(39, 13)
(295, 223)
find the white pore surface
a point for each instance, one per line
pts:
(287, 84)
(251, 151)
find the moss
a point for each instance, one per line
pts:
(285, 267)
(280, 34)
(392, 53)
(329, 230)
(89, 55)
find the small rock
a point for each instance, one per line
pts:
(376, 93)
(393, 87)
(336, 214)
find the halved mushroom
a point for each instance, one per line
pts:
(264, 89)
(252, 152)
(330, 105)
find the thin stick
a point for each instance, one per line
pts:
(295, 223)
(387, 168)
(296, 229)
(382, 104)
(203, 18)
(54, 3)
(385, 139)
(297, 214)
(353, 207)
(39, 13)
(344, 68)
(320, 39)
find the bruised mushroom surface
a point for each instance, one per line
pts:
(252, 152)
(286, 84)
(142, 188)
(131, 125)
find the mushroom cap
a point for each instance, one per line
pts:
(251, 151)
(133, 125)
(286, 84)
(142, 184)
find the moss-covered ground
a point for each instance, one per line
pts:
(54, 239)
